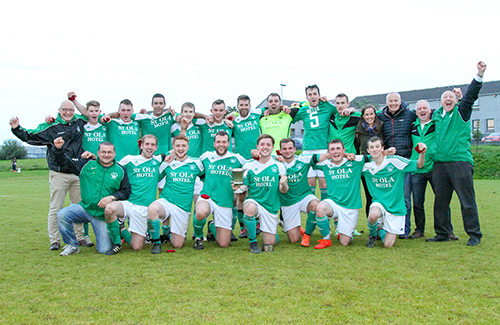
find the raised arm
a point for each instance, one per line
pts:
(472, 93)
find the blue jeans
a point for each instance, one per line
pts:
(407, 190)
(75, 213)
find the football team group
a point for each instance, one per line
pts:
(113, 166)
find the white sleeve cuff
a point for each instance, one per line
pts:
(478, 78)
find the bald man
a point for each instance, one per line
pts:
(61, 179)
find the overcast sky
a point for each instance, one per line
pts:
(200, 51)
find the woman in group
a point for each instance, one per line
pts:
(368, 126)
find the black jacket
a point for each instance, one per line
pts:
(397, 130)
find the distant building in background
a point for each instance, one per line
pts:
(486, 110)
(35, 152)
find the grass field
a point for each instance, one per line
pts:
(414, 282)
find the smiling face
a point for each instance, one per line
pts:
(148, 146)
(423, 111)
(369, 116)
(336, 151)
(187, 112)
(158, 105)
(67, 111)
(273, 104)
(312, 95)
(244, 107)
(93, 114)
(265, 147)
(125, 112)
(393, 102)
(218, 111)
(106, 154)
(288, 149)
(375, 149)
(181, 148)
(221, 143)
(448, 100)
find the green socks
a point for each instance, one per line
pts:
(240, 219)
(372, 228)
(154, 230)
(323, 226)
(198, 227)
(381, 234)
(85, 229)
(235, 217)
(310, 223)
(211, 227)
(126, 235)
(251, 227)
(324, 193)
(114, 232)
(313, 189)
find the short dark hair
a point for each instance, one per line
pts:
(343, 95)
(287, 140)
(265, 136)
(221, 134)
(180, 137)
(242, 97)
(106, 143)
(335, 141)
(157, 95)
(93, 103)
(312, 87)
(126, 102)
(375, 139)
(273, 94)
(219, 102)
(188, 104)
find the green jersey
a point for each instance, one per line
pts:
(159, 126)
(343, 181)
(344, 129)
(180, 177)
(143, 175)
(386, 182)
(93, 136)
(124, 136)
(193, 133)
(218, 176)
(277, 126)
(263, 183)
(246, 131)
(316, 124)
(298, 186)
(208, 134)
(422, 133)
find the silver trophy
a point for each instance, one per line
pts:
(237, 175)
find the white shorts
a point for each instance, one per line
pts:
(179, 218)
(314, 172)
(391, 223)
(268, 221)
(137, 216)
(347, 218)
(223, 217)
(198, 186)
(291, 214)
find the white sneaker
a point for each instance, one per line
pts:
(86, 242)
(69, 250)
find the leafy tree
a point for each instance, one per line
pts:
(476, 136)
(231, 109)
(362, 102)
(11, 148)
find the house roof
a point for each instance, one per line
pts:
(411, 96)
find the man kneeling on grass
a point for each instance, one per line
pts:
(264, 179)
(385, 180)
(177, 197)
(102, 181)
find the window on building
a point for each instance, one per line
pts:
(490, 125)
(476, 125)
(302, 132)
(476, 105)
(292, 133)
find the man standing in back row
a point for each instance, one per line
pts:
(453, 163)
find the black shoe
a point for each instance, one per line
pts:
(403, 236)
(453, 237)
(254, 248)
(437, 238)
(258, 230)
(115, 249)
(473, 241)
(233, 237)
(371, 241)
(198, 244)
(417, 234)
(243, 234)
(55, 246)
(156, 249)
(210, 235)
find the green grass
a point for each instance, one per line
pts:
(24, 164)
(414, 282)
